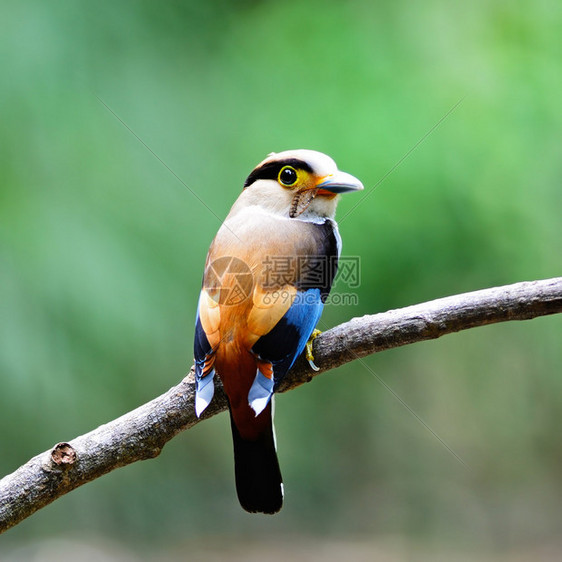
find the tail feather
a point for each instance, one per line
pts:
(258, 477)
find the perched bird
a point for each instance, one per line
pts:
(268, 273)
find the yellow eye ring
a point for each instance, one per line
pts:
(288, 176)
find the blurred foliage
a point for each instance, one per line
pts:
(102, 248)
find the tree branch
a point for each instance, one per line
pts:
(142, 433)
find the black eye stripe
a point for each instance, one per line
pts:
(270, 170)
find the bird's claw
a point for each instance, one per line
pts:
(309, 355)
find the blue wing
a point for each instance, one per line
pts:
(286, 341)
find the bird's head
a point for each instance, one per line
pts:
(298, 183)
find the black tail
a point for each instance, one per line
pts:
(258, 478)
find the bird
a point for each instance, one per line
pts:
(267, 275)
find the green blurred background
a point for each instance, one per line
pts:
(102, 248)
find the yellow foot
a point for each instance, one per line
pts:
(309, 355)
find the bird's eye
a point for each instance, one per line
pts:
(288, 176)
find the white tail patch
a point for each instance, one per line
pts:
(204, 392)
(260, 393)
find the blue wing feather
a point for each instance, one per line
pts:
(286, 341)
(204, 385)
